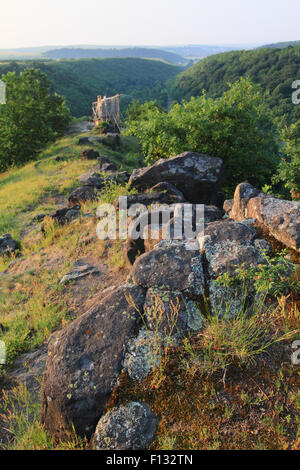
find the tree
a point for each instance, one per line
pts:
(288, 171)
(236, 127)
(31, 117)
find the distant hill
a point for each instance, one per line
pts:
(200, 51)
(280, 45)
(144, 53)
(274, 69)
(80, 81)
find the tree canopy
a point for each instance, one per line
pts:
(237, 127)
(274, 69)
(31, 117)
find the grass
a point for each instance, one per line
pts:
(32, 302)
(20, 412)
(30, 190)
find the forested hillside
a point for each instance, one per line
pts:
(137, 52)
(274, 69)
(80, 81)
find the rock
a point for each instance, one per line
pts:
(79, 272)
(171, 266)
(127, 427)
(94, 179)
(29, 367)
(90, 154)
(167, 188)
(227, 206)
(171, 313)
(82, 194)
(141, 355)
(109, 167)
(103, 160)
(135, 243)
(85, 360)
(226, 302)
(148, 199)
(84, 141)
(280, 218)
(7, 245)
(65, 215)
(132, 249)
(197, 176)
(262, 245)
(227, 245)
(160, 224)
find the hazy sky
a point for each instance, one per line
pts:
(26, 23)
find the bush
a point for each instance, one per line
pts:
(236, 127)
(31, 117)
(288, 171)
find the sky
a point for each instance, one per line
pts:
(28, 23)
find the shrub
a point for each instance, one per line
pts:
(236, 127)
(276, 276)
(288, 171)
(31, 117)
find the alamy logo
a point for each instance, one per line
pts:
(296, 94)
(2, 353)
(179, 221)
(2, 93)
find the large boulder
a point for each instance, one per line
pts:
(85, 360)
(197, 176)
(279, 218)
(227, 245)
(171, 266)
(127, 427)
(7, 245)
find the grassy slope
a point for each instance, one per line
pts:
(42, 187)
(80, 81)
(200, 407)
(273, 69)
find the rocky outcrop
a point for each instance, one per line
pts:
(158, 224)
(279, 218)
(7, 245)
(127, 427)
(85, 360)
(197, 176)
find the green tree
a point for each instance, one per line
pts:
(288, 171)
(31, 117)
(237, 127)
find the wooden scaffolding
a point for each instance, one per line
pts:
(107, 109)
